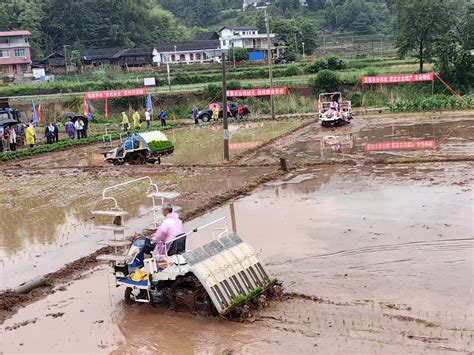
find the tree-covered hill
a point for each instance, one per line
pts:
(91, 23)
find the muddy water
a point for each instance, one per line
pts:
(392, 268)
(47, 221)
(195, 145)
(454, 137)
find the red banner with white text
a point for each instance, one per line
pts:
(399, 78)
(257, 92)
(400, 145)
(97, 95)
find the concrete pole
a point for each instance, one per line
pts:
(224, 109)
(270, 62)
(65, 58)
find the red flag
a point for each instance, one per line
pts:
(106, 109)
(40, 108)
(86, 109)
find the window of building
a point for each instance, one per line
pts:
(224, 43)
(191, 56)
(24, 68)
(4, 53)
(20, 53)
(26, 39)
(182, 58)
(4, 40)
(173, 58)
(198, 56)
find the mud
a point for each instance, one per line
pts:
(454, 138)
(375, 257)
(356, 283)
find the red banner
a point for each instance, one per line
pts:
(399, 78)
(400, 145)
(244, 145)
(257, 92)
(96, 95)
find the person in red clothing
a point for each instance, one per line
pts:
(240, 112)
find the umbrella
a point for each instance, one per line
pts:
(214, 104)
(66, 115)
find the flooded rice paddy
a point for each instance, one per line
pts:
(374, 258)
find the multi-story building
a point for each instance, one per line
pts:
(15, 55)
(204, 48)
(246, 37)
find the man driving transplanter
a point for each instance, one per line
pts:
(171, 227)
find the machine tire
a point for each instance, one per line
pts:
(205, 118)
(128, 296)
(137, 159)
(188, 292)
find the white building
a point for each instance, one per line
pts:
(189, 52)
(245, 37)
(262, 3)
(208, 47)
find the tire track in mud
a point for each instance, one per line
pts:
(438, 245)
(10, 301)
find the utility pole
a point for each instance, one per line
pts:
(270, 62)
(65, 58)
(324, 43)
(224, 109)
(168, 72)
(233, 51)
(304, 55)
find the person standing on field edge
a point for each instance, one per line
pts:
(85, 121)
(79, 126)
(136, 121)
(215, 113)
(148, 119)
(49, 133)
(12, 139)
(30, 135)
(196, 115)
(125, 122)
(70, 130)
(163, 118)
(56, 131)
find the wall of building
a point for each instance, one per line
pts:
(10, 62)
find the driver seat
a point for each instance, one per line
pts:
(178, 246)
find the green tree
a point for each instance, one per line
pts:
(325, 81)
(238, 54)
(330, 13)
(419, 24)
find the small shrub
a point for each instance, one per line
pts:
(293, 70)
(325, 81)
(317, 66)
(333, 63)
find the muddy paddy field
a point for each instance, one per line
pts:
(374, 248)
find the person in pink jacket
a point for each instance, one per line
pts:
(171, 227)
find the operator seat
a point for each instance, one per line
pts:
(178, 246)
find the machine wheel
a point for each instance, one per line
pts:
(205, 118)
(137, 159)
(129, 298)
(189, 293)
